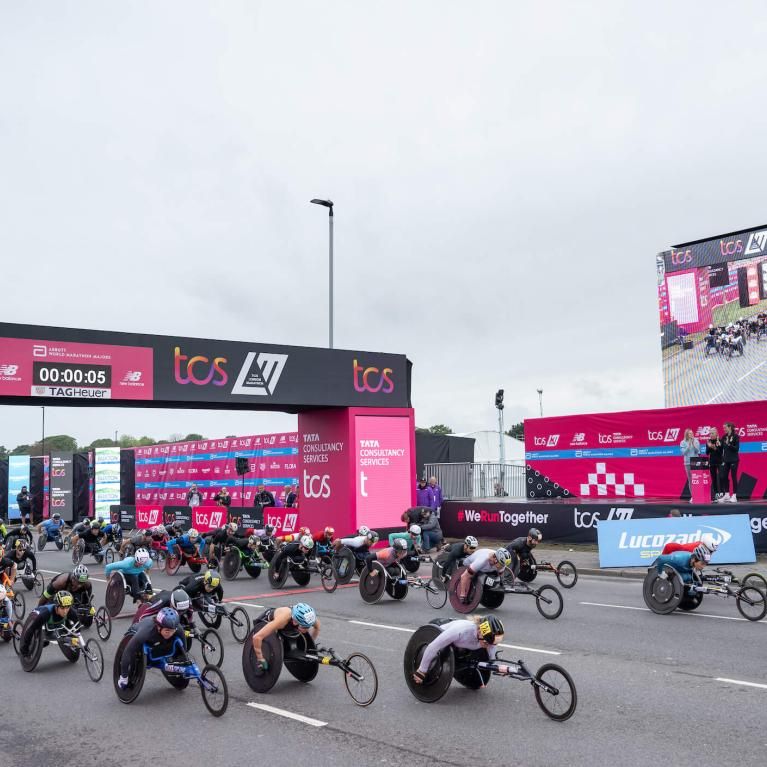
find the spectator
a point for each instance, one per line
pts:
(714, 450)
(263, 497)
(730, 457)
(431, 532)
(499, 491)
(423, 493)
(412, 516)
(24, 500)
(291, 498)
(194, 496)
(436, 490)
(675, 513)
(222, 498)
(690, 447)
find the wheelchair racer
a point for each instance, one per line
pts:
(162, 637)
(139, 539)
(482, 561)
(412, 539)
(203, 588)
(521, 549)
(51, 616)
(178, 599)
(78, 584)
(388, 556)
(134, 569)
(220, 537)
(112, 533)
(707, 540)
(300, 617)
(456, 553)
(300, 548)
(293, 537)
(190, 544)
(18, 532)
(20, 553)
(92, 538)
(52, 527)
(687, 564)
(6, 610)
(477, 633)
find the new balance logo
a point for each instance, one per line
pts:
(132, 376)
(8, 370)
(260, 374)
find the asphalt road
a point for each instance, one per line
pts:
(650, 690)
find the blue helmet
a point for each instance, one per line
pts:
(167, 618)
(304, 615)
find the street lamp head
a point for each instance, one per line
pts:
(540, 391)
(324, 203)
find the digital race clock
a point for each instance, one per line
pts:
(71, 374)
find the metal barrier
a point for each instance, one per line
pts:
(479, 480)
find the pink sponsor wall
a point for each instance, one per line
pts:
(636, 454)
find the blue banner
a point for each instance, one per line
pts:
(637, 542)
(652, 451)
(18, 477)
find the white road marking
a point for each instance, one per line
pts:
(411, 631)
(247, 604)
(739, 681)
(288, 714)
(681, 612)
(751, 371)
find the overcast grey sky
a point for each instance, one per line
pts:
(504, 174)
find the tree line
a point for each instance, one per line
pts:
(65, 443)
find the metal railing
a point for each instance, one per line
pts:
(478, 480)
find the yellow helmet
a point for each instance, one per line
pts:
(212, 579)
(63, 599)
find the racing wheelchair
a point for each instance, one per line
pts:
(301, 567)
(235, 559)
(553, 687)
(302, 658)
(117, 588)
(663, 595)
(490, 589)
(396, 580)
(565, 572)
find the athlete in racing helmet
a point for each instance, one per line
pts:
(303, 615)
(534, 537)
(398, 544)
(503, 557)
(306, 542)
(363, 530)
(470, 542)
(80, 573)
(141, 557)
(701, 553)
(167, 618)
(708, 540)
(284, 620)
(179, 600)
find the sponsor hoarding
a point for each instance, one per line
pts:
(61, 484)
(18, 477)
(106, 478)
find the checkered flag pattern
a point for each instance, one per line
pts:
(604, 483)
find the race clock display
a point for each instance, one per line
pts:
(71, 374)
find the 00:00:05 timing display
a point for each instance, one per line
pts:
(65, 373)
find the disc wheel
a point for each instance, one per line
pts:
(436, 594)
(215, 693)
(752, 603)
(32, 658)
(344, 565)
(690, 602)
(373, 582)
(363, 691)
(411, 563)
(549, 602)
(231, 564)
(94, 660)
(253, 570)
(294, 647)
(135, 678)
(466, 673)
(262, 680)
(42, 540)
(195, 567)
(473, 595)
(301, 577)
(212, 647)
(567, 574)
(661, 595)
(328, 577)
(103, 623)
(559, 705)
(114, 599)
(440, 673)
(239, 622)
(278, 575)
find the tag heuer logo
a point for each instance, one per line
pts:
(260, 373)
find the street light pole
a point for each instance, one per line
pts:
(42, 443)
(329, 205)
(540, 401)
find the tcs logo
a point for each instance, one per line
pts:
(184, 369)
(316, 486)
(373, 379)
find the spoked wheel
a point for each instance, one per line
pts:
(78, 552)
(752, 603)
(239, 622)
(436, 594)
(567, 574)
(558, 697)
(373, 582)
(94, 660)
(115, 595)
(344, 565)
(103, 623)
(328, 577)
(548, 600)
(172, 564)
(38, 584)
(212, 647)
(19, 605)
(42, 540)
(437, 573)
(215, 693)
(473, 595)
(365, 688)
(230, 565)
(755, 581)
(211, 619)
(135, 678)
(32, 658)
(109, 556)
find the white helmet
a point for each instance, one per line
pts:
(363, 530)
(708, 540)
(3, 592)
(415, 530)
(232, 526)
(193, 534)
(141, 557)
(306, 541)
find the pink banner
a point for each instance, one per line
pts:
(164, 473)
(637, 454)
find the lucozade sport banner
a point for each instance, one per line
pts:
(164, 473)
(18, 477)
(106, 479)
(637, 454)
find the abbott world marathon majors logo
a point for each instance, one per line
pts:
(507, 517)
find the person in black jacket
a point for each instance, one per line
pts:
(714, 450)
(730, 449)
(24, 500)
(263, 497)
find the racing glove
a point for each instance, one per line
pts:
(262, 664)
(122, 682)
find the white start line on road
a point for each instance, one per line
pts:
(288, 714)
(410, 631)
(741, 682)
(688, 614)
